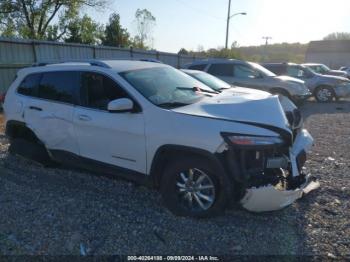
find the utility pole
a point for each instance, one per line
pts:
(267, 38)
(229, 16)
(228, 22)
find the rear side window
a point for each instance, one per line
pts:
(98, 90)
(29, 85)
(60, 86)
(221, 69)
(197, 67)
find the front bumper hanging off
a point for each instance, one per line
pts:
(269, 197)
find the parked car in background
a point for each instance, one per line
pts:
(345, 69)
(325, 70)
(154, 124)
(325, 88)
(208, 79)
(252, 75)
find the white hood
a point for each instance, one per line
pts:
(240, 104)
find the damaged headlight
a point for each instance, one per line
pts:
(250, 140)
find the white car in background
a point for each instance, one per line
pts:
(154, 124)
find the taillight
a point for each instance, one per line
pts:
(2, 98)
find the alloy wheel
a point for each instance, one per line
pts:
(196, 189)
(324, 95)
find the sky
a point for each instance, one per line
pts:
(193, 23)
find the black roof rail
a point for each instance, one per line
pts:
(91, 62)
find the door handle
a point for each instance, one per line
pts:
(84, 118)
(35, 108)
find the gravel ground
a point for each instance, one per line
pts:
(61, 212)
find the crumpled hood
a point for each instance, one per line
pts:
(289, 79)
(240, 104)
(333, 78)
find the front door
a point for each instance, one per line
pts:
(117, 139)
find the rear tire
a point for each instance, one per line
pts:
(324, 94)
(204, 193)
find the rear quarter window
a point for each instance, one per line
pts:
(29, 85)
(198, 67)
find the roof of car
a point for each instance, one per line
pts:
(191, 71)
(271, 64)
(311, 64)
(216, 60)
(116, 65)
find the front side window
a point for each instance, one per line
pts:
(221, 70)
(62, 86)
(98, 90)
(242, 71)
(29, 85)
(166, 86)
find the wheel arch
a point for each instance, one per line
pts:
(280, 90)
(167, 152)
(16, 129)
(323, 85)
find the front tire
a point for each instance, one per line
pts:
(324, 94)
(193, 187)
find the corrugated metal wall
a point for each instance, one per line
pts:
(16, 54)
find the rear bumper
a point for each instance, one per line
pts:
(283, 184)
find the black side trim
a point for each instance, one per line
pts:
(100, 168)
(18, 129)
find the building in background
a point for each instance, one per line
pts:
(333, 53)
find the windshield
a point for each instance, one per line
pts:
(167, 86)
(262, 69)
(211, 81)
(321, 69)
(308, 72)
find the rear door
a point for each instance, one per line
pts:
(117, 139)
(48, 111)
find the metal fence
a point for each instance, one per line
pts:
(16, 54)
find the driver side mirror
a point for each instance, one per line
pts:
(121, 105)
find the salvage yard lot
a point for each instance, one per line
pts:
(61, 211)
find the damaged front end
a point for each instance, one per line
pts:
(269, 169)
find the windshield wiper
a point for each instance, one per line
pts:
(172, 104)
(194, 89)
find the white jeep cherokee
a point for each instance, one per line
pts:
(152, 123)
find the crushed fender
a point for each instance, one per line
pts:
(269, 198)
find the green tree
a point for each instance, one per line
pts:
(183, 51)
(145, 23)
(338, 36)
(115, 34)
(84, 31)
(33, 18)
